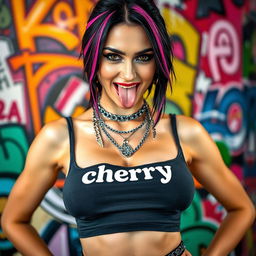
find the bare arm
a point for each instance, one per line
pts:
(39, 175)
(209, 169)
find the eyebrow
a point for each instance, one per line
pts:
(122, 53)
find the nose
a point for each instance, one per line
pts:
(128, 71)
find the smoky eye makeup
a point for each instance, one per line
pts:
(113, 57)
(143, 58)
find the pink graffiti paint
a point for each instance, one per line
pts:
(179, 51)
(235, 117)
(66, 92)
(71, 96)
(238, 171)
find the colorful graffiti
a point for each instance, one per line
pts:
(41, 80)
(214, 90)
(13, 150)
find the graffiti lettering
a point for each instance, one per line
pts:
(51, 62)
(224, 50)
(225, 115)
(31, 26)
(11, 113)
(4, 83)
(186, 62)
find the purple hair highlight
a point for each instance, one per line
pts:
(157, 37)
(165, 68)
(159, 111)
(88, 44)
(94, 19)
(96, 59)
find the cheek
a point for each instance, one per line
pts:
(147, 72)
(107, 71)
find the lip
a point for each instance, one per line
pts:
(125, 85)
(128, 84)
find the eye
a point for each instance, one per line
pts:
(112, 57)
(144, 58)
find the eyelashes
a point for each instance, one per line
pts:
(115, 58)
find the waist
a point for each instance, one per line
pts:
(119, 222)
(139, 243)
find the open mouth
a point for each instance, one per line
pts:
(126, 86)
(127, 93)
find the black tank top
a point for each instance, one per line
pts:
(106, 198)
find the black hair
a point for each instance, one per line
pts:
(108, 13)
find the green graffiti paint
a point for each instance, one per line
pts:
(196, 232)
(193, 213)
(198, 236)
(13, 148)
(224, 150)
(5, 16)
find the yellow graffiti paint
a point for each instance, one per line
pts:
(186, 70)
(51, 114)
(32, 25)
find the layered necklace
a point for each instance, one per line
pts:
(125, 149)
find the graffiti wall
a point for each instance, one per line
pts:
(41, 80)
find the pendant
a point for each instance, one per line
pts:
(97, 131)
(126, 149)
(153, 128)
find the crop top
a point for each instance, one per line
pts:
(106, 198)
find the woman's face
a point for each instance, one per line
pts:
(127, 67)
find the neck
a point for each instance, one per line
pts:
(119, 110)
(123, 118)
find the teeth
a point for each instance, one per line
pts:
(125, 87)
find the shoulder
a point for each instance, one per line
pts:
(49, 145)
(196, 138)
(54, 131)
(189, 129)
(52, 136)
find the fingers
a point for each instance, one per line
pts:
(186, 253)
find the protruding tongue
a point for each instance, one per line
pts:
(127, 96)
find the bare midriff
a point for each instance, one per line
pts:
(136, 243)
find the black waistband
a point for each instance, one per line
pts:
(178, 250)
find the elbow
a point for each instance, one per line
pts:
(249, 213)
(10, 222)
(5, 223)
(252, 213)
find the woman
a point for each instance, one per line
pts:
(126, 166)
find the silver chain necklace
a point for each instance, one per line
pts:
(123, 132)
(125, 149)
(123, 118)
